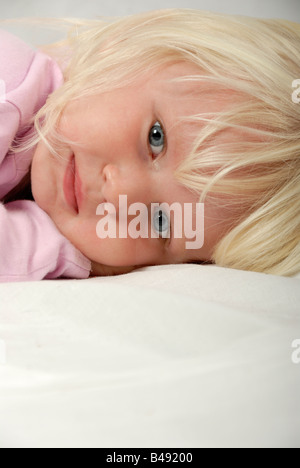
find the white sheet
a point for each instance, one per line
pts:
(171, 356)
(167, 356)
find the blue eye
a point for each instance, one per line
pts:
(161, 223)
(156, 139)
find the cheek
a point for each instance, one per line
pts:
(121, 252)
(80, 121)
(109, 251)
(43, 178)
(117, 252)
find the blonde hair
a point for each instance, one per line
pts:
(257, 61)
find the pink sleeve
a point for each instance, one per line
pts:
(27, 78)
(32, 249)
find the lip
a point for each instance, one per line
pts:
(72, 186)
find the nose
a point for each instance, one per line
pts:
(127, 179)
(110, 173)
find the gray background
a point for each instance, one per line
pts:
(288, 9)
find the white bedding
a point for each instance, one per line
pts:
(167, 356)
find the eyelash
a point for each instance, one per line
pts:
(165, 240)
(157, 156)
(160, 212)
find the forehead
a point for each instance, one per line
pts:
(189, 88)
(172, 73)
(173, 86)
(174, 98)
(181, 92)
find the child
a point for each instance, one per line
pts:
(173, 106)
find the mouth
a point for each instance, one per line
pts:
(72, 186)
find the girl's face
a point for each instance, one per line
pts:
(127, 142)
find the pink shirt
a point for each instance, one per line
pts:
(31, 247)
